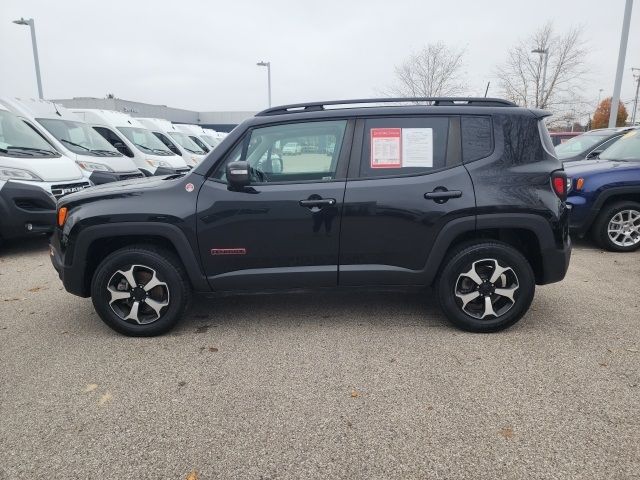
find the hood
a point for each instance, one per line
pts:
(51, 169)
(123, 188)
(582, 167)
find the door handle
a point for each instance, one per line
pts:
(317, 202)
(441, 195)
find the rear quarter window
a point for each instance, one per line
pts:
(477, 137)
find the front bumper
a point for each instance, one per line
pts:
(25, 210)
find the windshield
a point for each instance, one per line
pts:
(186, 143)
(626, 149)
(578, 145)
(17, 139)
(213, 142)
(78, 137)
(145, 140)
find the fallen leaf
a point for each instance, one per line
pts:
(12, 299)
(603, 364)
(633, 350)
(429, 407)
(91, 387)
(213, 349)
(355, 394)
(107, 397)
(182, 383)
(193, 475)
(506, 432)
(36, 289)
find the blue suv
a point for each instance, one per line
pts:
(605, 195)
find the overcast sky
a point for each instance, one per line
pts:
(201, 55)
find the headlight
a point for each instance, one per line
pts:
(158, 163)
(17, 174)
(93, 167)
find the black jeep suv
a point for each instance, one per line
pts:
(463, 195)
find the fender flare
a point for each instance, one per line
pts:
(536, 224)
(88, 235)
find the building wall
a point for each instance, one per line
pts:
(221, 121)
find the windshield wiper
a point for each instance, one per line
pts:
(75, 144)
(154, 150)
(31, 149)
(111, 153)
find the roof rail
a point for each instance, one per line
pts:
(434, 101)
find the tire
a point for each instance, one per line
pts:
(169, 297)
(617, 212)
(517, 279)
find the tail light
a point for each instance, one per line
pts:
(559, 184)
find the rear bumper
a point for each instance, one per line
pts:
(555, 263)
(25, 210)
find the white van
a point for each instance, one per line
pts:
(130, 137)
(195, 133)
(176, 141)
(33, 175)
(212, 137)
(99, 161)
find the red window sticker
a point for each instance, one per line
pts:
(386, 147)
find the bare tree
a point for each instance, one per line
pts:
(521, 76)
(434, 71)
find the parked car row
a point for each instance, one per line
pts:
(48, 151)
(603, 167)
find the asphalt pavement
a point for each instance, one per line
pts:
(331, 385)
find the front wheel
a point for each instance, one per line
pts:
(485, 287)
(617, 228)
(140, 291)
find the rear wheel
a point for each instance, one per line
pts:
(485, 287)
(617, 228)
(140, 291)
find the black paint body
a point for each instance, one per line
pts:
(380, 231)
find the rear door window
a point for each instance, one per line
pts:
(397, 146)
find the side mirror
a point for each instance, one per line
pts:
(238, 174)
(594, 154)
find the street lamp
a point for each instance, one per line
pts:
(31, 24)
(268, 65)
(545, 52)
(599, 95)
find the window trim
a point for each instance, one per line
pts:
(454, 147)
(342, 162)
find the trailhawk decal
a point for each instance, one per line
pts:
(228, 251)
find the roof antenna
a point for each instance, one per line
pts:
(55, 107)
(487, 89)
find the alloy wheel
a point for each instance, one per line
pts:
(624, 228)
(487, 289)
(137, 294)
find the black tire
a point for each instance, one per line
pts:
(599, 231)
(460, 261)
(167, 268)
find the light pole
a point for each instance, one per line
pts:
(622, 52)
(268, 65)
(545, 52)
(32, 25)
(599, 95)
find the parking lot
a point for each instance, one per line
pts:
(335, 385)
